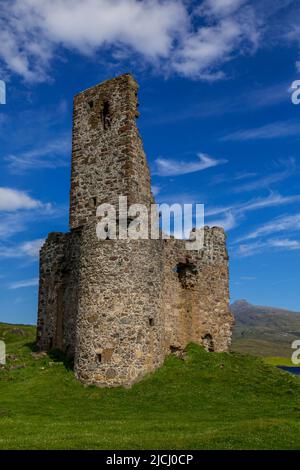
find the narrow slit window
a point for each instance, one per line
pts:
(99, 358)
(105, 115)
(93, 202)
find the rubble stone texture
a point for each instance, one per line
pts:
(120, 306)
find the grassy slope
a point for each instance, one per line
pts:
(208, 401)
(279, 361)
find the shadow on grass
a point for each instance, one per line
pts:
(32, 346)
(58, 356)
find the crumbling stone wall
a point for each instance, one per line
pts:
(107, 158)
(119, 306)
(58, 291)
(196, 293)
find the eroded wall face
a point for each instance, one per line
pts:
(107, 157)
(58, 292)
(51, 259)
(196, 294)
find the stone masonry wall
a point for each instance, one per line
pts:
(58, 290)
(120, 330)
(119, 306)
(196, 293)
(51, 257)
(107, 158)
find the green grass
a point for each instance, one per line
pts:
(207, 401)
(279, 361)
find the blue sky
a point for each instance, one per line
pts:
(217, 122)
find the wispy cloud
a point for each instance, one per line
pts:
(286, 223)
(10, 224)
(228, 222)
(172, 35)
(269, 131)
(25, 283)
(242, 102)
(14, 199)
(168, 167)
(283, 170)
(28, 249)
(274, 199)
(255, 248)
(244, 175)
(18, 210)
(235, 213)
(53, 155)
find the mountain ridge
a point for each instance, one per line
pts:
(264, 330)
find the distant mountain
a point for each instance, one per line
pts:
(265, 331)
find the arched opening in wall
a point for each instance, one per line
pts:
(208, 343)
(105, 115)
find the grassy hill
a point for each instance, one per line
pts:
(206, 401)
(264, 331)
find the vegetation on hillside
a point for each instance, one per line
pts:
(264, 331)
(206, 401)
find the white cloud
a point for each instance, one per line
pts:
(220, 7)
(28, 249)
(254, 248)
(232, 215)
(202, 52)
(14, 199)
(167, 167)
(25, 283)
(18, 210)
(162, 32)
(285, 223)
(51, 155)
(31, 30)
(269, 131)
(244, 175)
(228, 222)
(274, 199)
(12, 223)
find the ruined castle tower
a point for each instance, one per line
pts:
(120, 306)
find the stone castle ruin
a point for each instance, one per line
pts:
(118, 307)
